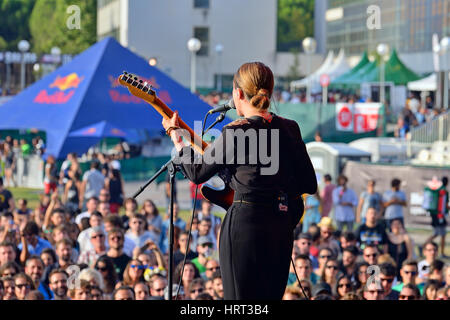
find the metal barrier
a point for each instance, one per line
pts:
(434, 130)
(28, 172)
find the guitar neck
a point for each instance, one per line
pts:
(150, 97)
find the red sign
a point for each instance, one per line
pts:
(324, 80)
(345, 117)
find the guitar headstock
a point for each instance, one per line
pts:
(137, 87)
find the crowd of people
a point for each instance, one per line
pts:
(87, 240)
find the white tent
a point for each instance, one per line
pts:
(339, 67)
(332, 69)
(425, 84)
(315, 76)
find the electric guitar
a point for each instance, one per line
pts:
(143, 90)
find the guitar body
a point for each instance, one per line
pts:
(221, 197)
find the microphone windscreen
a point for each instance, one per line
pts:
(231, 104)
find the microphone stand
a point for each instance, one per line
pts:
(173, 168)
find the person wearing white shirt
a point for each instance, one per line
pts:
(137, 231)
(93, 182)
(84, 238)
(91, 207)
(345, 200)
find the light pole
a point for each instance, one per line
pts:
(56, 55)
(309, 47)
(219, 50)
(445, 46)
(193, 46)
(382, 50)
(23, 46)
(153, 61)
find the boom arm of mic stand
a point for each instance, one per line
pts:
(219, 118)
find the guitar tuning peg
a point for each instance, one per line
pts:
(140, 81)
(135, 78)
(125, 73)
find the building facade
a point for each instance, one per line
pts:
(407, 26)
(246, 30)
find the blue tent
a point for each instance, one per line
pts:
(102, 129)
(86, 91)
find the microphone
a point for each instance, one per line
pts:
(225, 107)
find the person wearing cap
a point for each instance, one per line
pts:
(321, 288)
(326, 235)
(205, 252)
(345, 200)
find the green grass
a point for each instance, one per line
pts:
(32, 195)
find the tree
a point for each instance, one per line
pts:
(14, 15)
(295, 22)
(49, 28)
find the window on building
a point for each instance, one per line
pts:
(204, 4)
(202, 34)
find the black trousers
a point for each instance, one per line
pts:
(255, 250)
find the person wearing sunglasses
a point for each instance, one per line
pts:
(137, 231)
(157, 286)
(205, 251)
(330, 272)
(105, 266)
(409, 292)
(141, 291)
(387, 278)
(97, 238)
(324, 255)
(212, 265)
(115, 252)
(343, 286)
(370, 254)
(196, 287)
(134, 273)
(23, 285)
(409, 274)
(373, 291)
(123, 293)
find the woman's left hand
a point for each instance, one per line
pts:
(172, 122)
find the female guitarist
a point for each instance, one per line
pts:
(256, 238)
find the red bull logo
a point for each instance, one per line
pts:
(65, 86)
(89, 131)
(118, 97)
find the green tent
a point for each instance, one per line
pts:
(341, 80)
(395, 72)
